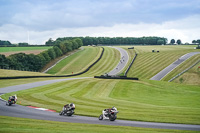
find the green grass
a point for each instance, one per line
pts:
(15, 125)
(81, 60)
(12, 73)
(136, 100)
(12, 82)
(191, 77)
(77, 62)
(13, 49)
(109, 61)
(182, 67)
(148, 64)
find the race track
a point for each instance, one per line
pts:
(26, 112)
(122, 63)
(171, 67)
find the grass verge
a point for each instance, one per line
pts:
(136, 100)
(24, 125)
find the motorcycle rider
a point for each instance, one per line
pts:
(69, 106)
(107, 111)
(13, 98)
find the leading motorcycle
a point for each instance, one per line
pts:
(110, 114)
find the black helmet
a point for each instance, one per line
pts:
(71, 104)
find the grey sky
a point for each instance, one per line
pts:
(44, 19)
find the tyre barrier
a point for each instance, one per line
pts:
(18, 77)
(116, 77)
(125, 74)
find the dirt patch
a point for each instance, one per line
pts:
(35, 52)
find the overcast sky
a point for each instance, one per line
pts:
(44, 19)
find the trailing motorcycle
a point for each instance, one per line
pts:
(11, 100)
(109, 114)
(67, 112)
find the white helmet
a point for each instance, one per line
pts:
(113, 108)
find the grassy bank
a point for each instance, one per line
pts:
(109, 61)
(148, 63)
(12, 73)
(77, 62)
(23, 125)
(191, 77)
(184, 66)
(135, 100)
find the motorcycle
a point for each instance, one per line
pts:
(67, 112)
(11, 100)
(111, 115)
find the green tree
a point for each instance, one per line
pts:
(51, 53)
(46, 56)
(172, 41)
(198, 41)
(50, 42)
(57, 50)
(178, 41)
(23, 44)
(160, 42)
(3, 62)
(194, 41)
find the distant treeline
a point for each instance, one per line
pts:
(113, 40)
(21, 44)
(31, 62)
(5, 43)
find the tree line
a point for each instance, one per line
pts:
(31, 62)
(4, 43)
(113, 40)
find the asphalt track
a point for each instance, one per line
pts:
(122, 63)
(171, 67)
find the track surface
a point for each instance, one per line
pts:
(171, 67)
(123, 61)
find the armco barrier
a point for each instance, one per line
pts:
(183, 71)
(18, 77)
(121, 77)
(125, 74)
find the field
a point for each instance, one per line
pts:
(28, 50)
(22, 125)
(14, 49)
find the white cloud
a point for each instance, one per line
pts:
(186, 29)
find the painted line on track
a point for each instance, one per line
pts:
(43, 109)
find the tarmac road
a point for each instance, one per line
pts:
(171, 67)
(26, 112)
(122, 63)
